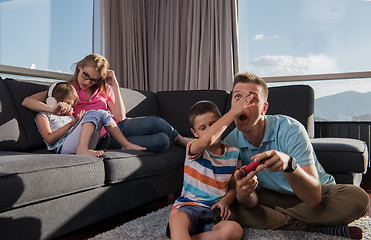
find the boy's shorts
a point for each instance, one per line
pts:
(194, 212)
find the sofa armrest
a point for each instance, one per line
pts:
(341, 155)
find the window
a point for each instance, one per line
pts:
(45, 34)
(288, 37)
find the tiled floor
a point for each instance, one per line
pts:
(120, 219)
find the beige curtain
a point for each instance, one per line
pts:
(172, 44)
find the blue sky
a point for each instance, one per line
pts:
(276, 37)
(294, 37)
(45, 34)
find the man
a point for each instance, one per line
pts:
(291, 190)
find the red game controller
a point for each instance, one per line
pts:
(244, 170)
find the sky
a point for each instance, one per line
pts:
(276, 37)
(45, 34)
(296, 37)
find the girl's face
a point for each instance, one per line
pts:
(88, 77)
(70, 100)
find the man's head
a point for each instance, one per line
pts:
(202, 115)
(246, 84)
(248, 77)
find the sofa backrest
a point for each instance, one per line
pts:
(175, 106)
(12, 135)
(140, 103)
(296, 101)
(18, 131)
(29, 137)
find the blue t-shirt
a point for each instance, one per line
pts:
(284, 134)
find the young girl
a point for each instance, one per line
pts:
(67, 134)
(97, 88)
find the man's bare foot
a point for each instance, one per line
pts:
(89, 152)
(133, 146)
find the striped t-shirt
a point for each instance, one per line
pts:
(206, 177)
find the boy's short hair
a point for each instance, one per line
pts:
(248, 77)
(202, 107)
(62, 90)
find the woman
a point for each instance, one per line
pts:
(97, 88)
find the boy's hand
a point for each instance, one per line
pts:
(241, 105)
(225, 212)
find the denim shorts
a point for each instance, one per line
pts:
(96, 117)
(192, 212)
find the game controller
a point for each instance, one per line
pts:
(244, 170)
(206, 217)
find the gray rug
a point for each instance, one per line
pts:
(153, 226)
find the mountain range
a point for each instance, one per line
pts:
(345, 106)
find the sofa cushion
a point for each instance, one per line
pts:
(127, 165)
(12, 135)
(28, 178)
(140, 103)
(341, 155)
(175, 106)
(19, 90)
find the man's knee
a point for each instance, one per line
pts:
(360, 200)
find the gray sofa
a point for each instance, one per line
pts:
(46, 195)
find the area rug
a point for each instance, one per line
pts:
(153, 226)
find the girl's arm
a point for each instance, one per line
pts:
(49, 136)
(116, 106)
(36, 103)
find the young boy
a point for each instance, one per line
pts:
(65, 134)
(202, 210)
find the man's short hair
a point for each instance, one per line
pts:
(202, 107)
(248, 77)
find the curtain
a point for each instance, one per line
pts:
(172, 44)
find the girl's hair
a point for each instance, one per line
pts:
(62, 90)
(202, 107)
(100, 64)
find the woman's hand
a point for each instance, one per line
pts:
(111, 78)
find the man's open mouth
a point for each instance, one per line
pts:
(243, 117)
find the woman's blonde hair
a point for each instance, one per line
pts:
(100, 64)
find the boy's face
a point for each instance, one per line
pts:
(203, 122)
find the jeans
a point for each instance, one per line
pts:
(151, 132)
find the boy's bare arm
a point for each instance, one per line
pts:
(226, 201)
(217, 129)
